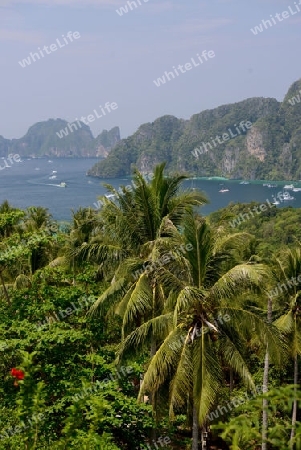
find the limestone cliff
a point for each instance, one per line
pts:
(217, 143)
(56, 138)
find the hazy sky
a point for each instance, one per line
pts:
(117, 58)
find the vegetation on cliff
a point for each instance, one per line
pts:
(270, 149)
(43, 139)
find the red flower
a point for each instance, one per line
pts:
(19, 374)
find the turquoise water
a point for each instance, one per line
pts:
(23, 185)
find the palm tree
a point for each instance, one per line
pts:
(194, 342)
(38, 220)
(265, 384)
(132, 219)
(85, 225)
(288, 275)
(9, 219)
(133, 226)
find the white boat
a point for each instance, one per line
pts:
(297, 190)
(287, 196)
(244, 182)
(63, 184)
(224, 190)
(54, 171)
(276, 202)
(289, 186)
(52, 178)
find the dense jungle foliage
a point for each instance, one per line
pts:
(145, 325)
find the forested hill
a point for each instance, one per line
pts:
(57, 138)
(269, 148)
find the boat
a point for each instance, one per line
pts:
(244, 182)
(63, 184)
(54, 171)
(297, 190)
(287, 196)
(289, 186)
(224, 190)
(276, 202)
(272, 185)
(52, 178)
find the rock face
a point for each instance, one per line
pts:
(56, 138)
(270, 148)
(254, 144)
(106, 141)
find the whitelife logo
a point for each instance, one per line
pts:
(225, 137)
(269, 23)
(33, 57)
(168, 76)
(124, 9)
(90, 118)
(68, 312)
(295, 100)
(11, 158)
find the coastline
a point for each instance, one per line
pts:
(238, 181)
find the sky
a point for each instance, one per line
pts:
(116, 58)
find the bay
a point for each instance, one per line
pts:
(28, 183)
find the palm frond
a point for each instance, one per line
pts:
(135, 342)
(109, 298)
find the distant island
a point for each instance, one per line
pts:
(42, 139)
(257, 138)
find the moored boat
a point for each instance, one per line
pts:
(287, 196)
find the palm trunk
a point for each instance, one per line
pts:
(231, 380)
(204, 437)
(265, 402)
(294, 414)
(195, 430)
(152, 396)
(5, 290)
(73, 269)
(265, 387)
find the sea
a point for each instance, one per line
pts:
(37, 182)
